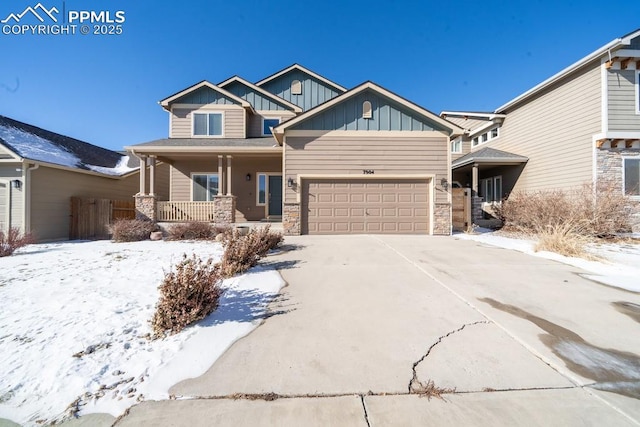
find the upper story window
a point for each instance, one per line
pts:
(367, 112)
(632, 177)
(456, 145)
(207, 124)
(485, 137)
(296, 87)
(269, 123)
(205, 187)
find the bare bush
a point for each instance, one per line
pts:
(13, 239)
(192, 231)
(187, 294)
(243, 252)
(131, 230)
(564, 240)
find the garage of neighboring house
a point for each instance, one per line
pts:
(4, 205)
(348, 205)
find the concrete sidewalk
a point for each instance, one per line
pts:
(371, 329)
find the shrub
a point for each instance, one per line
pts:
(13, 239)
(192, 231)
(131, 230)
(187, 295)
(243, 252)
(564, 240)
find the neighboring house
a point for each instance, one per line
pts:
(580, 126)
(40, 171)
(298, 148)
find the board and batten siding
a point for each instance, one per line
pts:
(182, 122)
(13, 196)
(554, 130)
(51, 192)
(314, 91)
(622, 102)
(254, 121)
(339, 155)
(257, 100)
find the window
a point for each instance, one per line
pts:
(205, 186)
(207, 124)
(491, 189)
(262, 189)
(494, 133)
(366, 110)
(296, 87)
(456, 145)
(632, 177)
(485, 137)
(475, 141)
(488, 136)
(267, 123)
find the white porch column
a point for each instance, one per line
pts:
(229, 175)
(220, 180)
(152, 176)
(143, 175)
(474, 179)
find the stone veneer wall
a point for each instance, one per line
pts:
(146, 207)
(442, 219)
(224, 208)
(291, 219)
(609, 172)
(476, 209)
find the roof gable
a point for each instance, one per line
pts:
(259, 98)
(303, 70)
(203, 93)
(389, 112)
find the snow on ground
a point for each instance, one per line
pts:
(620, 265)
(62, 299)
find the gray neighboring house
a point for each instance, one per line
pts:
(581, 125)
(41, 170)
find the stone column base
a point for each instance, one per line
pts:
(442, 219)
(146, 207)
(224, 208)
(476, 209)
(291, 221)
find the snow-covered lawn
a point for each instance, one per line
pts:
(74, 324)
(619, 265)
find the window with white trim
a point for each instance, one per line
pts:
(491, 189)
(207, 124)
(205, 186)
(486, 137)
(631, 169)
(269, 123)
(261, 191)
(456, 145)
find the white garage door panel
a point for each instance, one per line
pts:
(350, 206)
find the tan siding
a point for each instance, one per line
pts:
(466, 148)
(51, 190)
(181, 171)
(4, 193)
(254, 121)
(350, 155)
(233, 121)
(162, 181)
(622, 92)
(555, 132)
(467, 123)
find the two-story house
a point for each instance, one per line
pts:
(298, 148)
(579, 126)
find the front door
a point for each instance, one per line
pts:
(275, 195)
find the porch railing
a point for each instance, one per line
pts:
(185, 211)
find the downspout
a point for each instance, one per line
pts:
(26, 177)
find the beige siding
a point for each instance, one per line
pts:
(181, 171)
(162, 181)
(4, 152)
(466, 148)
(234, 118)
(51, 190)
(555, 131)
(622, 90)
(333, 155)
(4, 205)
(254, 121)
(469, 124)
(12, 214)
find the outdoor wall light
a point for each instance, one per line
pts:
(290, 182)
(16, 183)
(444, 183)
(248, 177)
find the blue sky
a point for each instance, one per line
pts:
(443, 55)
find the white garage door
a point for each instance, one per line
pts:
(378, 206)
(4, 194)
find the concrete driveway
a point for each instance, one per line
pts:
(372, 329)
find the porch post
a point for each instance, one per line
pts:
(220, 180)
(143, 175)
(152, 176)
(476, 200)
(229, 175)
(474, 179)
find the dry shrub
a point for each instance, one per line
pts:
(192, 231)
(12, 240)
(243, 252)
(564, 240)
(187, 294)
(131, 230)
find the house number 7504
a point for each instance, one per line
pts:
(367, 171)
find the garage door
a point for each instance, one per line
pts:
(351, 206)
(4, 193)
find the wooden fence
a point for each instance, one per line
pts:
(461, 198)
(90, 218)
(185, 211)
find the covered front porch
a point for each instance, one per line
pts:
(211, 183)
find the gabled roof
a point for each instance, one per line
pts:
(165, 102)
(472, 114)
(488, 155)
(262, 92)
(279, 130)
(598, 54)
(35, 144)
(304, 70)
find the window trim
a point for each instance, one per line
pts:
(207, 112)
(492, 180)
(279, 119)
(485, 137)
(458, 140)
(204, 173)
(624, 189)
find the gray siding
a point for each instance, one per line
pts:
(258, 101)
(13, 196)
(332, 155)
(314, 91)
(181, 122)
(205, 95)
(622, 91)
(386, 116)
(254, 121)
(554, 130)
